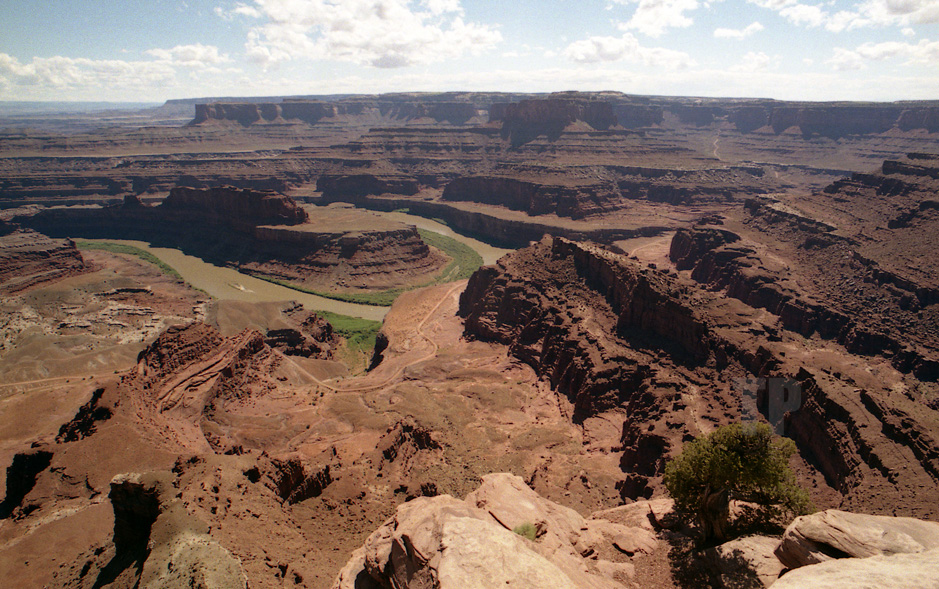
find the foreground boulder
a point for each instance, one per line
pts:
(442, 542)
(835, 534)
(910, 571)
(745, 562)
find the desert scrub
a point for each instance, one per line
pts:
(121, 248)
(526, 530)
(743, 462)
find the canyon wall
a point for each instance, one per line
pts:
(261, 232)
(616, 338)
(526, 120)
(28, 258)
(312, 112)
(536, 198)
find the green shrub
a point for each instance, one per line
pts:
(743, 462)
(526, 530)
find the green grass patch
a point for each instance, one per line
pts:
(526, 530)
(359, 333)
(380, 298)
(120, 248)
(464, 261)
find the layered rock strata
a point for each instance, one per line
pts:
(609, 334)
(863, 277)
(265, 233)
(28, 259)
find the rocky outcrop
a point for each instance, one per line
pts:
(21, 478)
(835, 534)
(169, 547)
(442, 542)
(536, 198)
(453, 112)
(309, 112)
(239, 209)
(717, 258)
(528, 119)
(29, 259)
(195, 379)
(840, 549)
(86, 419)
(535, 301)
(915, 571)
(293, 479)
(312, 337)
(745, 562)
(340, 187)
(633, 116)
(832, 120)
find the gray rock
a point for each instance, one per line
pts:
(909, 571)
(746, 562)
(443, 543)
(834, 534)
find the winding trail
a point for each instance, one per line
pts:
(397, 373)
(420, 332)
(26, 384)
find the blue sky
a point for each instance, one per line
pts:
(155, 50)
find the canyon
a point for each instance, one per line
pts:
(677, 264)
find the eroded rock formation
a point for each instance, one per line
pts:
(447, 543)
(610, 334)
(28, 259)
(265, 233)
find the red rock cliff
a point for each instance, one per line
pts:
(234, 207)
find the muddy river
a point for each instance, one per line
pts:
(230, 284)
(489, 253)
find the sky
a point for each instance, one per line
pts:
(154, 50)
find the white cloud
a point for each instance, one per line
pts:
(443, 6)
(743, 33)
(196, 55)
(244, 10)
(805, 14)
(908, 32)
(869, 13)
(652, 17)
(627, 47)
(924, 52)
(379, 33)
(902, 12)
(753, 62)
(65, 74)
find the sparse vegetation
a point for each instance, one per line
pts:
(121, 248)
(359, 333)
(743, 462)
(526, 530)
(463, 262)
